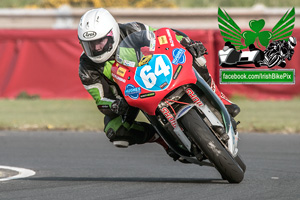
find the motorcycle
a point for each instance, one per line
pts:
(154, 72)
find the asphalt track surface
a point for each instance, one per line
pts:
(85, 165)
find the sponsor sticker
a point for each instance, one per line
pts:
(177, 72)
(118, 78)
(170, 38)
(194, 97)
(169, 116)
(121, 71)
(132, 91)
(129, 63)
(179, 56)
(146, 95)
(145, 60)
(162, 40)
(162, 86)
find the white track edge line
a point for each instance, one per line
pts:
(22, 173)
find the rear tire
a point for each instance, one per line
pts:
(202, 136)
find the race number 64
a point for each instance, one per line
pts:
(149, 77)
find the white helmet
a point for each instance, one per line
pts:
(99, 34)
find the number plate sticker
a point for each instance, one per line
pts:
(156, 75)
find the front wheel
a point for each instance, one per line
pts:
(240, 161)
(202, 136)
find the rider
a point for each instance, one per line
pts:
(99, 35)
(279, 50)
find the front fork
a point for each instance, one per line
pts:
(211, 95)
(233, 135)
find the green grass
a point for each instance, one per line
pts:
(256, 116)
(50, 114)
(269, 116)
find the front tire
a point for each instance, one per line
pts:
(241, 162)
(203, 137)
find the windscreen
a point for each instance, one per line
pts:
(135, 48)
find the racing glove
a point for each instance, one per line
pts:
(196, 48)
(119, 106)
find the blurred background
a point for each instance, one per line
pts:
(191, 14)
(39, 56)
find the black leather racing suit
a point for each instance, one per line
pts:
(97, 80)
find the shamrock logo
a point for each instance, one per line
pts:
(256, 26)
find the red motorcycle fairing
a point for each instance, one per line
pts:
(144, 93)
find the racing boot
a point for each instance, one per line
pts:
(124, 134)
(233, 109)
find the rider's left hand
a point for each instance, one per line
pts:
(196, 48)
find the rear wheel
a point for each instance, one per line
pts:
(202, 136)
